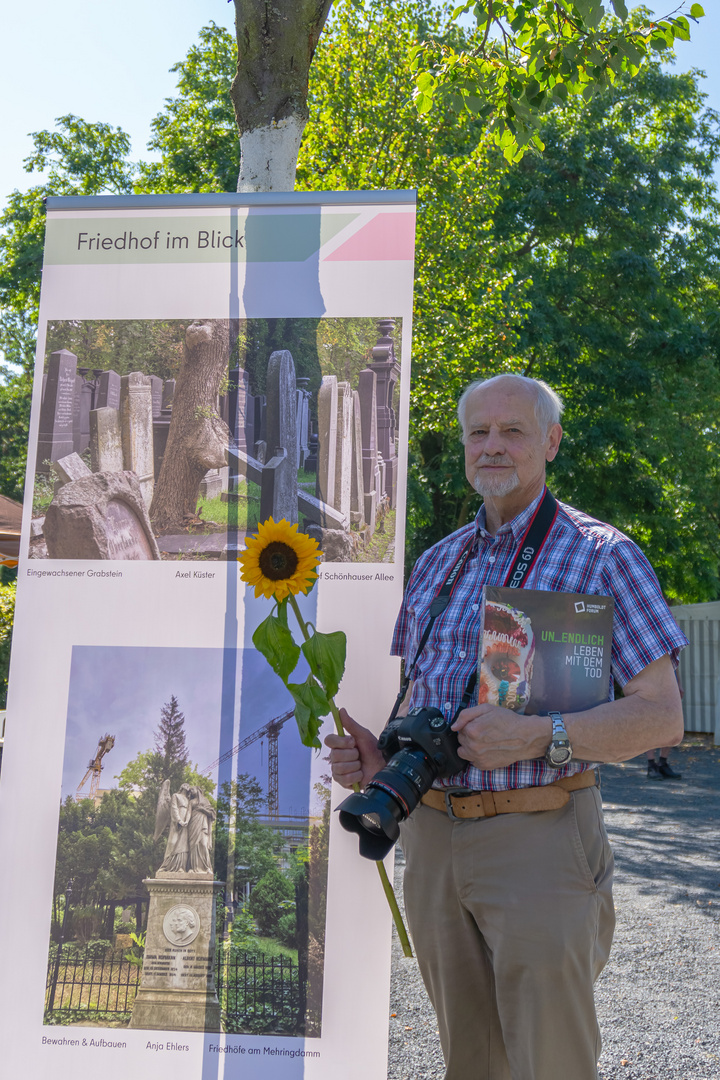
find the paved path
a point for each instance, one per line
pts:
(659, 997)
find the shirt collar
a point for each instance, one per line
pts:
(518, 526)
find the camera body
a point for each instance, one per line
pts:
(418, 748)
(426, 729)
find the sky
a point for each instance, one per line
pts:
(121, 691)
(111, 63)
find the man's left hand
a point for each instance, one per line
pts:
(491, 737)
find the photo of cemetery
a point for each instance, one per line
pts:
(174, 439)
(189, 894)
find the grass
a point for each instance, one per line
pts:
(243, 513)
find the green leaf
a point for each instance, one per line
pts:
(696, 11)
(325, 653)
(311, 705)
(620, 9)
(275, 642)
(423, 102)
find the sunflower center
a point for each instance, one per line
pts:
(278, 561)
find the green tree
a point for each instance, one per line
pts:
(615, 229)
(171, 751)
(7, 612)
(254, 846)
(80, 159)
(196, 134)
(527, 58)
(465, 301)
(271, 898)
(86, 852)
(154, 346)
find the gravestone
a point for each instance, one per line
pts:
(343, 450)
(168, 393)
(387, 371)
(161, 425)
(55, 439)
(177, 988)
(84, 391)
(303, 421)
(367, 386)
(279, 490)
(311, 461)
(101, 516)
(106, 440)
(69, 468)
(240, 410)
(156, 394)
(357, 489)
(107, 393)
(136, 426)
(260, 411)
(211, 484)
(327, 439)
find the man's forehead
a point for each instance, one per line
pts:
(506, 403)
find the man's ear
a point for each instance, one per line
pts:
(554, 439)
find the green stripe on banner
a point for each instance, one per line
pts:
(190, 238)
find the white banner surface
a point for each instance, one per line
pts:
(203, 363)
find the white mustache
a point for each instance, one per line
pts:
(500, 459)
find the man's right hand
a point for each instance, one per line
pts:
(354, 757)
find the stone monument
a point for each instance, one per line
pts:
(97, 515)
(177, 986)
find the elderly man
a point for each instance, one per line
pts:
(511, 911)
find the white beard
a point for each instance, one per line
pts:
(495, 485)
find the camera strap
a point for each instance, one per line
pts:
(528, 550)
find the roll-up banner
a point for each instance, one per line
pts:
(177, 898)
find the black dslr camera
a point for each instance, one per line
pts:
(418, 748)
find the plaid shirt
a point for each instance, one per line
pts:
(579, 555)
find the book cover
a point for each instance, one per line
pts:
(544, 650)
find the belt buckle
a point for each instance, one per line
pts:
(448, 793)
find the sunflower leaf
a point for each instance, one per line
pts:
(325, 654)
(311, 704)
(275, 642)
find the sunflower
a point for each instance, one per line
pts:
(279, 560)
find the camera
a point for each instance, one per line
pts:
(418, 748)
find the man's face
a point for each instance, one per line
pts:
(505, 448)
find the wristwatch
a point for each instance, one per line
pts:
(559, 752)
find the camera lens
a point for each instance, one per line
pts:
(371, 822)
(390, 797)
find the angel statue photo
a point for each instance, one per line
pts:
(190, 817)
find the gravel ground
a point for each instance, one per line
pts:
(659, 997)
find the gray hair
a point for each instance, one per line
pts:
(548, 405)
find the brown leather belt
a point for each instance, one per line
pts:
(478, 804)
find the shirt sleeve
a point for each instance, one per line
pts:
(643, 627)
(402, 635)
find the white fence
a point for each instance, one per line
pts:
(700, 666)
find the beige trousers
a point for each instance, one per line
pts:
(512, 919)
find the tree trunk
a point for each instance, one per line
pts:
(198, 438)
(276, 43)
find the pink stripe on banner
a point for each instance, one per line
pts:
(387, 236)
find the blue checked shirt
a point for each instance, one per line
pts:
(580, 555)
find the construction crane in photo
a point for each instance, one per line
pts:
(271, 730)
(94, 769)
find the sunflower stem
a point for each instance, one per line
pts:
(384, 879)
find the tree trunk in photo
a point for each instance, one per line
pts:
(276, 43)
(198, 438)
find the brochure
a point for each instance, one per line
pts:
(543, 650)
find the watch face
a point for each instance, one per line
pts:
(559, 755)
